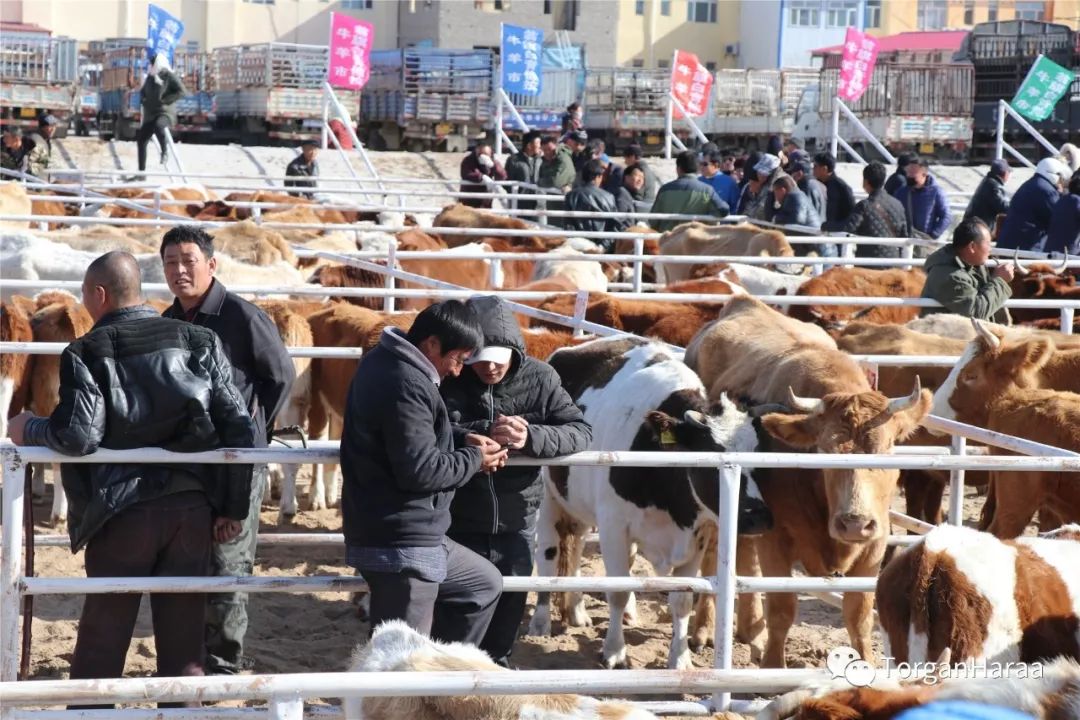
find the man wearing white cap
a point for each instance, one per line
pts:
(1028, 221)
(520, 403)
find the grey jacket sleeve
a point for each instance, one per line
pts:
(564, 430)
(77, 425)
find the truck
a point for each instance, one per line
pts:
(748, 106)
(38, 76)
(427, 98)
(1002, 53)
(625, 106)
(124, 66)
(563, 73)
(271, 93)
(923, 108)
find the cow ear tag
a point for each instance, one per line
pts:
(667, 437)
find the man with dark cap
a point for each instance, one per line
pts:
(304, 169)
(41, 154)
(578, 143)
(801, 171)
(139, 380)
(899, 178)
(990, 199)
(15, 150)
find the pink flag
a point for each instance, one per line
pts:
(691, 84)
(350, 51)
(856, 65)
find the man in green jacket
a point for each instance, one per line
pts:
(687, 195)
(557, 168)
(160, 91)
(957, 276)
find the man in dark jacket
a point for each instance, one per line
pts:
(588, 196)
(41, 155)
(139, 380)
(524, 167)
(304, 169)
(878, 215)
(1063, 235)
(401, 463)
(263, 373)
(557, 169)
(1028, 221)
(578, 144)
(801, 171)
(793, 208)
(15, 150)
(634, 155)
(475, 167)
(839, 199)
(631, 192)
(899, 178)
(957, 276)
(687, 195)
(990, 199)
(160, 91)
(925, 204)
(520, 403)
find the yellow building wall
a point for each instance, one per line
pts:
(212, 23)
(899, 16)
(1066, 12)
(653, 37)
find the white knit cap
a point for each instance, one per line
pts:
(1053, 170)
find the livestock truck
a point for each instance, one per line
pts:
(426, 98)
(1002, 53)
(272, 93)
(624, 106)
(38, 76)
(563, 73)
(909, 107)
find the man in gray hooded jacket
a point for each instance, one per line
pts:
(519, 402)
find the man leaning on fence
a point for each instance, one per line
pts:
(137, 380)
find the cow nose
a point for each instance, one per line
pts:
(855, 526)
(754, 517)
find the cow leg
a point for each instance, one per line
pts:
(630, 614)
(986, 515)
(780, 608)
(680, 603)
(37, 485)
(547, 558)
(750, 611)
(288, 505)
(615, 549)
(703, 626)
(59, 503)
(858, 609)
(318, 429)
(1049, 519)
(333, 483)
(1020, 498)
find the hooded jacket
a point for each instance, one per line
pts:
(159, 95)
(989, 200)
(1064, 233)
(964, 289)
(1028, 221)
(505, 501)
(927, 208)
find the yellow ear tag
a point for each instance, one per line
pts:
(667, 437)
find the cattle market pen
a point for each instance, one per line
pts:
(285, 694)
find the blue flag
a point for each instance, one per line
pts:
(521, 50)
(163, 32)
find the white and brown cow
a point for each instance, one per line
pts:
(638, 396)
(983, 598)
(395, 647)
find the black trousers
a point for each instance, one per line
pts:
(458, 609)
(149, 128)
(512, 554)
(169, 536)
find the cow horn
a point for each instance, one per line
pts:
(899, 405)
(786, 705)
(1064, 264)
(696, 419)
(1016, 263)
(992, 340)
(806, 405)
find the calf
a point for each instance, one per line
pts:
(997, 384)
(694, 238)
(395, 647)
(860, 282)
(983, 598)
(637, 396)
(15, 368)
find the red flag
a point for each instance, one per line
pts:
(691, 84)
(350, 51)
(857, 64)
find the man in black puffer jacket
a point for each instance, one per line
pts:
(520, 403)
(140, 380)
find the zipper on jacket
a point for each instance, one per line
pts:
(491, 476)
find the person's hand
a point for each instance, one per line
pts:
(511, 431)
(225, 529)
(17, 426)
(486, 162)
(1005, 271)
(482, 441)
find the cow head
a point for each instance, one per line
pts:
(719, 428)
(989, 367)
(853, 423)
(1041, 280)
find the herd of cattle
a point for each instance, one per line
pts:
(753, 377)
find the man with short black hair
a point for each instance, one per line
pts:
(899, 178)
(925, 203)
(15, 150)
(634, 155)
(578, 144)
(41, 154)
(794, 207)
(990, 199)
(401, 462)
(263, 373)
(304, 168)
(630, 192)
(801, 171)
(557, 167)
(957, 276)
(725, 187)
(588, 196)
(839, 199)
(687, 195)
(878, 215)
(139, 380)
(524, 167)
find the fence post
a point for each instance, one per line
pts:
(724, 584)
(495, 274)
(581, 304)
(391, 264)
(956, 483)
(908, 253)
(639, 252)
(286, 708)
(835, 128)
(999, 142)
(1067, 320)
(11, 568)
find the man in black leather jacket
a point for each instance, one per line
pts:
(588, 196)
(139, 380)
(520, 403)
(990, 199)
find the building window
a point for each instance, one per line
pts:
(873, 13)
(637, 63)
(701, 11)
(566, 19)
(804, 13)
(499, 5)
(663, 64)
(639, 7)
(969, 12)
(710, 66)
(665, 7)
(991, 10)
(932, 14)
(841, 13)
(547, 7)
(1030, 10)
(356, 4)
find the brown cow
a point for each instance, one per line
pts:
(463, 216)
(15, 368)
(832, 521)
(694, 238)
(247, 242)
(1040, 281)
(998, 384)
(47, 205)
(674, 323)
(860, 282)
